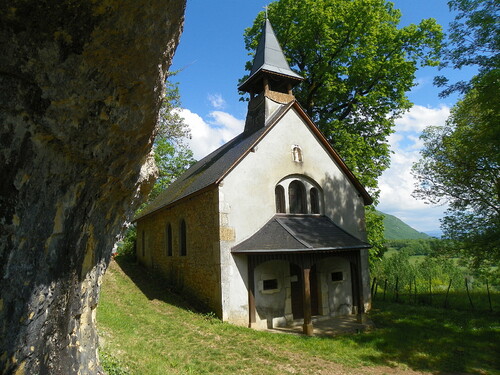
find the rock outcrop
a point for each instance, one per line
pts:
(80, 89)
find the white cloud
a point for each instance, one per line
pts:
(419, 117)
(397, 183)
(208, 135)
(217, 101)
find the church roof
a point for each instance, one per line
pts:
(299, 233)
(269, 58)
(211, 170)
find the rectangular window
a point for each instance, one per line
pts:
(270, 284)
(337, 276)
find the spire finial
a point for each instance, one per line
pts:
(266, 7)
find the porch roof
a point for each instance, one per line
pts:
(299, 234)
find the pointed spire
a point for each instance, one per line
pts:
(269, 60)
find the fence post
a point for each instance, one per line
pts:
(397, 289)
(415, 290)
(489, 297)
(373, 285)
(468, 294)
(385, 288)
(430, 291)
(409, 294)
(446, 298)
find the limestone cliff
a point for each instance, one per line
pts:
(80, 88)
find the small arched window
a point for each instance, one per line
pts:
(314, 196)
(297, 154)
(168, 235)
(279, 193)
(297, 197)
(182, 238)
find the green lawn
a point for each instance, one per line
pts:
(145, 329)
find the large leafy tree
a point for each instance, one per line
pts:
(172, 154)
(460, 161)
(460, 165)
(357, 66)
(474, 41)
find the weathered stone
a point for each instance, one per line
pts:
(80, 89)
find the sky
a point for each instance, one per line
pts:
(211, 57)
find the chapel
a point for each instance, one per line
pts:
(269, 229)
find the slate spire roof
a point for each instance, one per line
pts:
(269, 58)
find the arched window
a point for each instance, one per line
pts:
(182, 238)
(297, 197)
(279, 193)
(297, 154)
(168, 235)
(314, 196)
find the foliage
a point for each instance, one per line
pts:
(474, 40)
(375, 229)
(460, 165)
(126, 247)
(416, 246)
(357, 66)
(172, 155)
(151, 331)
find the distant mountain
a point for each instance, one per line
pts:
(435, 233)
(395, 229)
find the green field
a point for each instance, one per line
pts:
(145, 329)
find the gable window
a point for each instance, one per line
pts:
(182, 238)
(297, 154)
(168, 235)
(279, 193)
(297, 197)
(314, 197)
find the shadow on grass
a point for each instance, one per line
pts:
(152, 285)
(433, 339)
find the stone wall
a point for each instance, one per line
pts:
(198, 273)
(80, 89)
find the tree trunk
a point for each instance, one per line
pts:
(80, 89)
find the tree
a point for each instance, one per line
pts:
(460, 165)
(172, 154)
(460, 161)
(357, 67)
(474, 40)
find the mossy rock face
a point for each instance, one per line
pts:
(80, 90)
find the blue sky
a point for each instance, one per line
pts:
(211, 56)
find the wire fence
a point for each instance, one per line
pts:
(455, 294)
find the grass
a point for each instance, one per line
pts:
(145, 329)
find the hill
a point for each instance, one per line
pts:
(396, 229)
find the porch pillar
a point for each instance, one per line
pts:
(251, 293)
(307, 328)
(361, 300)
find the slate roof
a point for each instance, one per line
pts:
(299, 234)
(212, 168)
(269, 58)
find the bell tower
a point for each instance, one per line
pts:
(270, 82)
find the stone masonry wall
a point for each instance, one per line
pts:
(198, 273)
